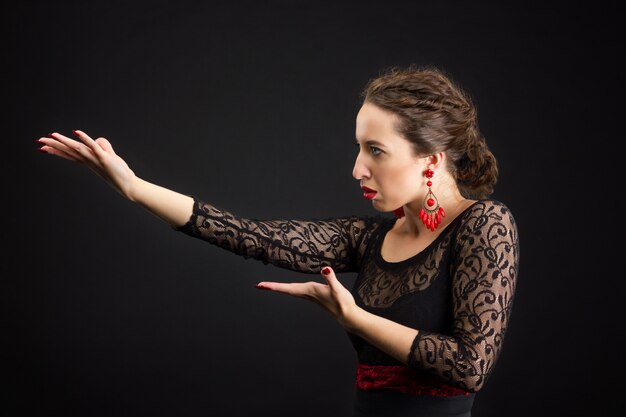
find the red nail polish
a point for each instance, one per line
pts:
(74, 132)
(326, 271)
(41, 150)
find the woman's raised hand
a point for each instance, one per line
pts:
(98, 155)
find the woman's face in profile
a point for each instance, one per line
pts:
(386, 163)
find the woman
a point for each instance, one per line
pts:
(429, 309)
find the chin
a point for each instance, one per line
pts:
(379, 206)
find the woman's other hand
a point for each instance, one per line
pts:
(98, 155)
(332, 296)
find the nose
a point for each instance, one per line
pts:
(360, 169)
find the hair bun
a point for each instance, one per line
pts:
(476, 169)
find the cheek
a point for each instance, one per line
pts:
(401, 184)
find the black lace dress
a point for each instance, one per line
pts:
(457, 292)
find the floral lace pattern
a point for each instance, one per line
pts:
(303, 246)
(484, 267)
(386, 284)
(470, 269)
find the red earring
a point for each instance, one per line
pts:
(431, 213)
(399, 212)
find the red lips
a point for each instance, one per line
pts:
(368, 193)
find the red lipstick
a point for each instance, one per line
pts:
(368, 193)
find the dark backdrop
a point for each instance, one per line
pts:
(251, 105)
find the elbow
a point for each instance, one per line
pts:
(473, 367)
(465, 363)
(470, 382)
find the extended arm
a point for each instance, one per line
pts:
(297, 245)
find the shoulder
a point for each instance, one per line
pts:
(485, 215)
(488, 231)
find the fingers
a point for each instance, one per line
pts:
(85, 150)
(52, 151)
(309, 289)
(305, 290)
(331, 278)
(92, 153)
(332, 297)
(106, 145)
(89, 142)
(70, 147)
(54, 147)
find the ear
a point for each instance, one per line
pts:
(435, 161)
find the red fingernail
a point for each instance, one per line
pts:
(75, 133)
(260, 287)
(41, 150)
(326, 271)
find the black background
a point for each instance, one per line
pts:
(251, 105)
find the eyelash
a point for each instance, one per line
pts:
(373, 149)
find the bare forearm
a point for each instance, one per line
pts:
(390, 337)
(170, 206)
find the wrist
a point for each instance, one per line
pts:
(353, 319)
(133, 191)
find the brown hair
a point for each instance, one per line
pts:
(436, 115)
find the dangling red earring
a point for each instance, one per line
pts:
(431, 213)
(399, 212)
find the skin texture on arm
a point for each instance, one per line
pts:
(390, 337)
(98, 155)
(170, 206)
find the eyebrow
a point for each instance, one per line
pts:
(372, 142)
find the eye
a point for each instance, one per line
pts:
(375, 151)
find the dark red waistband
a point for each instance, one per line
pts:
(403, 379)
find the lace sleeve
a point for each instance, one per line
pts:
(303, 246)
(484, 274)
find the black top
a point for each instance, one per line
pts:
(457, 292)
